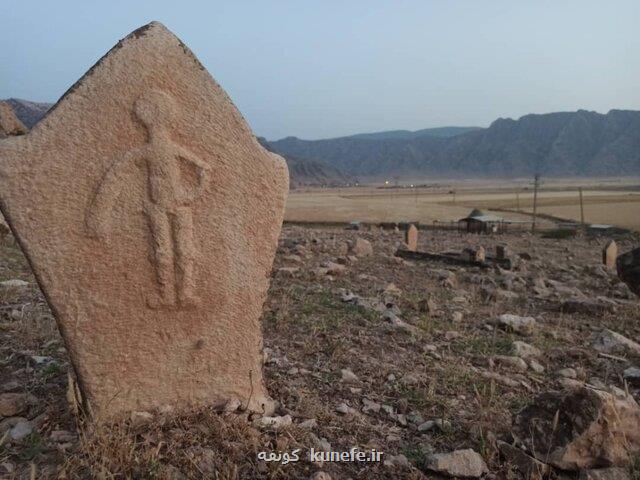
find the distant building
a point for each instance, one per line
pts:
(481, 222)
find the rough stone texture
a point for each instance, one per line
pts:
(581, 428)
(10, 125)
(461, 463)
(628, 267)
(610, 254)
(150, 215)
(528, 466)
(612, 342)
(613, 473)
(411, 238)
(361, 248)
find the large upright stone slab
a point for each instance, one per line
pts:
(150, 215)
(610, 254)
(411, 238)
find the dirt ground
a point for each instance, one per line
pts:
(444, 363)
(605, 202)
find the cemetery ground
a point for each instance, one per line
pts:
(362, 349)
(606, 201)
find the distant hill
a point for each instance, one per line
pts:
(28, 112)
(311, 172)
(563, 143)
(407, 134)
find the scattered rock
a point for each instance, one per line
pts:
(139, 419)
(528, 466)
(612, 473)
(516, 363)
(581, 428)
(587, 306)
(21, 430)
(276, 422)
(14, 283)
(460, 463)
(517, 324)
(348, 376)
(13, 403)
(568, 373)
(345, 409)
(611, 342)
(525, 350)
(361, 248)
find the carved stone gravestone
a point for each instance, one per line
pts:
(411, 238)
(610, 254)
(150, 215)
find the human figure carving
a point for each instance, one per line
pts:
(167, 206)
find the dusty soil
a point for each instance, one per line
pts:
(443, 365)
(616, 203)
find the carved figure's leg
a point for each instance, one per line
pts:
(163, 256)
(185, 257)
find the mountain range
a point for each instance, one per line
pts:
(582, 143)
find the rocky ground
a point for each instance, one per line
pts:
(449, 370)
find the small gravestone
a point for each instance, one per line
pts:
(610, 254)
(150, 215)
(411, 238)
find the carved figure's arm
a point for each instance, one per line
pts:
(203, 169)
(99, 211)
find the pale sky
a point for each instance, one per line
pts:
(318, 69)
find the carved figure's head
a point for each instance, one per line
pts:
(154, 108)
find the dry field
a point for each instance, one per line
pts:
(608, 202)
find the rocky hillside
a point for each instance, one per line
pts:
(564, 143)
(28, 112)
(452, 371)
(310, 172)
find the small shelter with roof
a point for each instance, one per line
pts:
(481, 222)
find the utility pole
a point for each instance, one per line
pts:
(517, 201)
(536, 184)
(581, 207)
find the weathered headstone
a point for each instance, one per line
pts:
(150, 215)
(10, 125)
(610, 254)
(411, 238)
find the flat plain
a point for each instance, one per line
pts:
(605, 201)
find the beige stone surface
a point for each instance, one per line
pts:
(10, 125)
(610, 254)
(411, 238)
(579, 429)
(150, 215)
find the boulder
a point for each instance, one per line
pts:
(580, 428)
(628, 267)
(528, 466)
